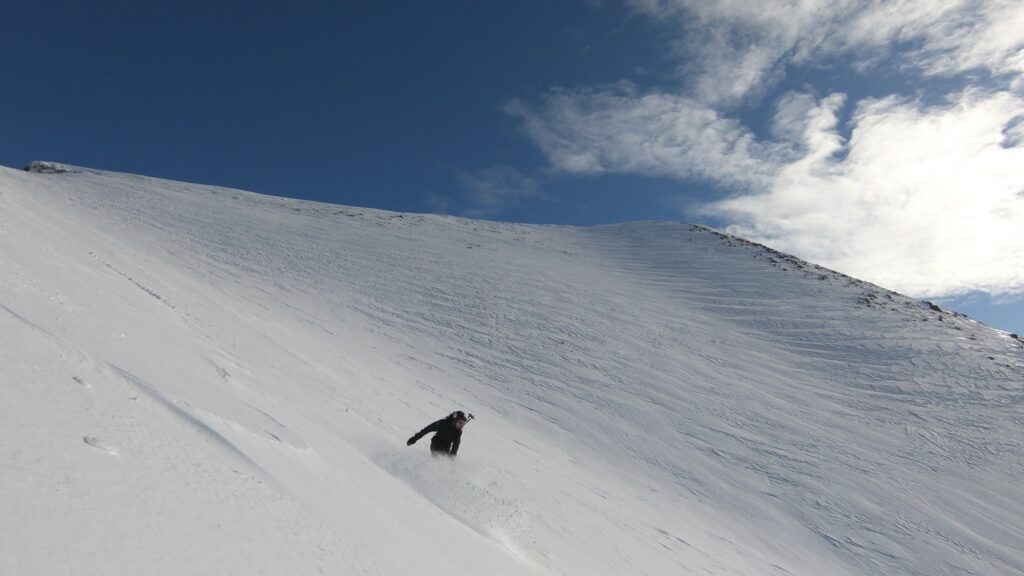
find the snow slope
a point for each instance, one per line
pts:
(198, 380)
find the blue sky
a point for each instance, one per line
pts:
(882, 139)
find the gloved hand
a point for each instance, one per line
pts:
(410, 441)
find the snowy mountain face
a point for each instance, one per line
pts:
(197, 380)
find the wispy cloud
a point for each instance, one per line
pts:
(734, 49)
(618, 129)
(922, 198)
(490, 191)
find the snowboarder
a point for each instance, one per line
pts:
(447, 434)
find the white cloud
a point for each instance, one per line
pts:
(617, 129)
(734, 49)
(953, 37)
(926, 200)
(490, 191)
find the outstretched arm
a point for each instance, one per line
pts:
(432, 428)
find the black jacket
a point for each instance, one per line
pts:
(446, 436)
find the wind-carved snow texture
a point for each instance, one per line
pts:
(199, 380)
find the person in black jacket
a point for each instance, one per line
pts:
(447, 434)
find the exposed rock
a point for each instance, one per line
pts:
(40, 167)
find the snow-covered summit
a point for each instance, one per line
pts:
(199, 380)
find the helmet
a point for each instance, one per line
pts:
(460, 415)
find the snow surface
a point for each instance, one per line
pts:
(197, 380)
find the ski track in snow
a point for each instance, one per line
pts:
(209, 381)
